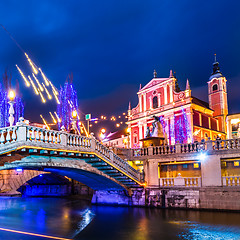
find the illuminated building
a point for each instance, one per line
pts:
(184, 117)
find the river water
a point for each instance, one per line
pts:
(65, 218)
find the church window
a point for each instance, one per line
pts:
(155, 102)
(215, 87)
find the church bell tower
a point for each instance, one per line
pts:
(217, 95)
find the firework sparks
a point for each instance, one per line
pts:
(23, 76)
(44, 77)
(32, 64)
(42, 97)
(46, 90)
(45, 122)
(53, 118)
(53, 88)
(38, 83)
(33, 85)
(59, 119)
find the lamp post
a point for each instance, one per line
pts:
(74, 120)
(11, 96)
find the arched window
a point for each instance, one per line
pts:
(215, 87)
(155, 102)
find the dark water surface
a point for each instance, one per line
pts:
(77, 219)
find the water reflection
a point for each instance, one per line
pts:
(77, 219)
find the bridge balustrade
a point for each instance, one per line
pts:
(8, 134)
(231, 181)
(180, 182)
(31, 134)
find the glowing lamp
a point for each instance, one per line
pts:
(19, 170)
(128, 130)
(11, 95)
(74, 114)
(103, 130)
(202, 156)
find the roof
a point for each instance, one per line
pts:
(200, 102)
(115, 135)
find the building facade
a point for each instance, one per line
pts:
(184, 117)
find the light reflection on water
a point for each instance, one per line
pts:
(77, 219)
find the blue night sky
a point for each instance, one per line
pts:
(113, 46)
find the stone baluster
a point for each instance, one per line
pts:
(224, 144)
(33, 134)
(46, 136)
(74, 141)
(14, 135)
(8, 138)
(28, 134)
(54, 137)
(70, 140)
(50, 137)
(2, 139)
(234, 144)
(229, 144)
(37, 137)
(58, 138)
(237, 181)
(41, 136)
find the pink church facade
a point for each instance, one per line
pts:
(185, 118)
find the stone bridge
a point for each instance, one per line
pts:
(81, 158)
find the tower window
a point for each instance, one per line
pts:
(215, 87)
(155, 102)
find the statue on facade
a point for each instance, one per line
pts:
(157, 130)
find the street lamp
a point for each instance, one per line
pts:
(74, 120)
(11, 96)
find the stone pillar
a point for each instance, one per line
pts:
(144, 129)
(159, 99)
(144, 102)
(171, 93)
(150, 101)
(63, 138)
(140, 102)
(165, 95)
(22, 133)
(211, 171)
(152, 178)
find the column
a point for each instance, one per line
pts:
(140, 102)
(144, 102)
(165, 95)
(171, 93)
(140, 133)
(144, 129)
(159, 99)
(151, 103)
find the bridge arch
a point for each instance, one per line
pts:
(77, 170)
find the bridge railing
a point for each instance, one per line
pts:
(31, 134)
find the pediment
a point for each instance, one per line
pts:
(153, 82)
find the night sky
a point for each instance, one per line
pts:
(113, 46)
